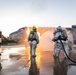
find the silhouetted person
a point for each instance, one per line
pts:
(0, 64)
(33, 40)
(34, 70)
(60, 66)
(0, 40)
(0, 37)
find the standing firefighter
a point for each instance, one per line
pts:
(0, 37)
(60, 34)
(33, 40)
(0, 40)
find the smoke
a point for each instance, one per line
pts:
(46, 43)
(70, 40)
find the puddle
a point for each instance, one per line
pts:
(6, 59)
(35, 67)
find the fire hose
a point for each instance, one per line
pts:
(66, 53)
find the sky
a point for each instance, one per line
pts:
(15, 14)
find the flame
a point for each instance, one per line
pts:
(38, 57)
(38, 34)
(28, 31)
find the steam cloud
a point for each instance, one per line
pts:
(46, 43)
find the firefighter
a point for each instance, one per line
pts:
(0, 40)
(0, 37)
(60, 34)
(33, 40)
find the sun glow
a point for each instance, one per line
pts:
(35, 21)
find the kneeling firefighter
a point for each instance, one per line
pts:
(33, 40)
(60, 34)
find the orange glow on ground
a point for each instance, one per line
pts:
(37, 56)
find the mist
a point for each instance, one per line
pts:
(46, 43)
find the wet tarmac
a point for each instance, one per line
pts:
(17, 61)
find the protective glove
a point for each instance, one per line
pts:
(54, 39)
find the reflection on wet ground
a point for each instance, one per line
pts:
(33, 69)
(56, 66)
(17, 61)
(60, 66)
(10, 58)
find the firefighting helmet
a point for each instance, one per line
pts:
(34, 28)
(59, 28)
